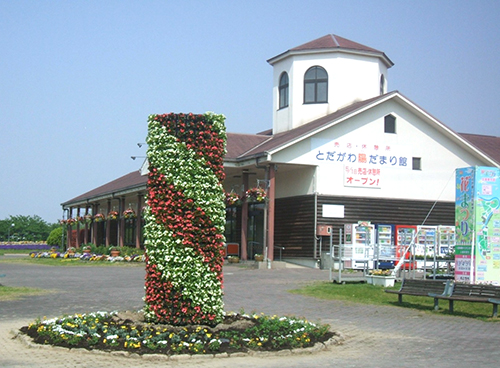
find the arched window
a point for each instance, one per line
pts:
(315, 85)
(382, 84)
(283, 90)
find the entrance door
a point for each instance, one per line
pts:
(255, 242)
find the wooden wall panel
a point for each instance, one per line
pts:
(294, 225)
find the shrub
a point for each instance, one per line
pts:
(55, 237)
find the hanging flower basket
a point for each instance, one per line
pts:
(129, 213)
(233, 199)
(99, 217)
(113, 215)
(71, 221)
(87, 219)
(256, 195)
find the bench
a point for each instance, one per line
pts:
(475, 293)
(421, 288)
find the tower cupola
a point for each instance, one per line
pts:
(322, 76)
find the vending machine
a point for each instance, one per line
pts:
(405, 239)
(358, 240)
(385, 250)
(446, 240)
(426, 241)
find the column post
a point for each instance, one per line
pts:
(270, 214)
(244, 219)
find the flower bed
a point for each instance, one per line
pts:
(88, 256)
(129, 332)
(24, 245)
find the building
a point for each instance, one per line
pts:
(342, 149)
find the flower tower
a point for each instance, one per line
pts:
(185, 219)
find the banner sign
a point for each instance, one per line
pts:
(477, 221)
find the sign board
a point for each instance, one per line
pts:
(333, 210)
(477, 220)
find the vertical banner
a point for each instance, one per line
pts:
(487, 225)
(464, 223)
(477, 221)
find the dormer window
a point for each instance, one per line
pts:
(283, 90)
(315, 85)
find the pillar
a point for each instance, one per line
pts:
(77, 240)
(270, 212)
(108, 227)
(121, 222)
(244, 219)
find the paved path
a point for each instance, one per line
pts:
(376, 336)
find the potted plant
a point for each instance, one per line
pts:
(87, 249)
(129, 213)
(114, 251)
(258, 195)
(113, 215)
(99, 217)
(71, 251)
(233, 199)
(233, 259)
(259, 257)
(381, 278)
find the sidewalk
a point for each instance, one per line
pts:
(375, 336)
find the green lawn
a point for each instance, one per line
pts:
(370, 294)
(68, 262)
(12, 293)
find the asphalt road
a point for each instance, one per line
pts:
(375, 336)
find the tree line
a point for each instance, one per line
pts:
(25, 228)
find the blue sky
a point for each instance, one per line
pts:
(78, 79)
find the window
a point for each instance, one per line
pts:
(315, 85)
(283, 90)
(382, 84)
(390, 124)
(416, 163)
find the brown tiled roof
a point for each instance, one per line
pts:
(242, 146)
(333, 42)
(488, 144)
(239, 144)
(284, 138)
(133, 180)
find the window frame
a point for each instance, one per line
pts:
(315, 82)
(416, 163)
(283, 91)
(388, 121)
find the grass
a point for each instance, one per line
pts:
(375, 295)
(68, 262)
(13, 293)
(17, 251)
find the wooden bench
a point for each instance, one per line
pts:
(475, 293)
(421, 288)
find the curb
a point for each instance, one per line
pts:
(338, 339)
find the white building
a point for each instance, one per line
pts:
(338, 138)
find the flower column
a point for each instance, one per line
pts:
(185, 219)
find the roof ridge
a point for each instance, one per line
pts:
(334, 38)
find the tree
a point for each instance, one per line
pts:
(25, 228)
